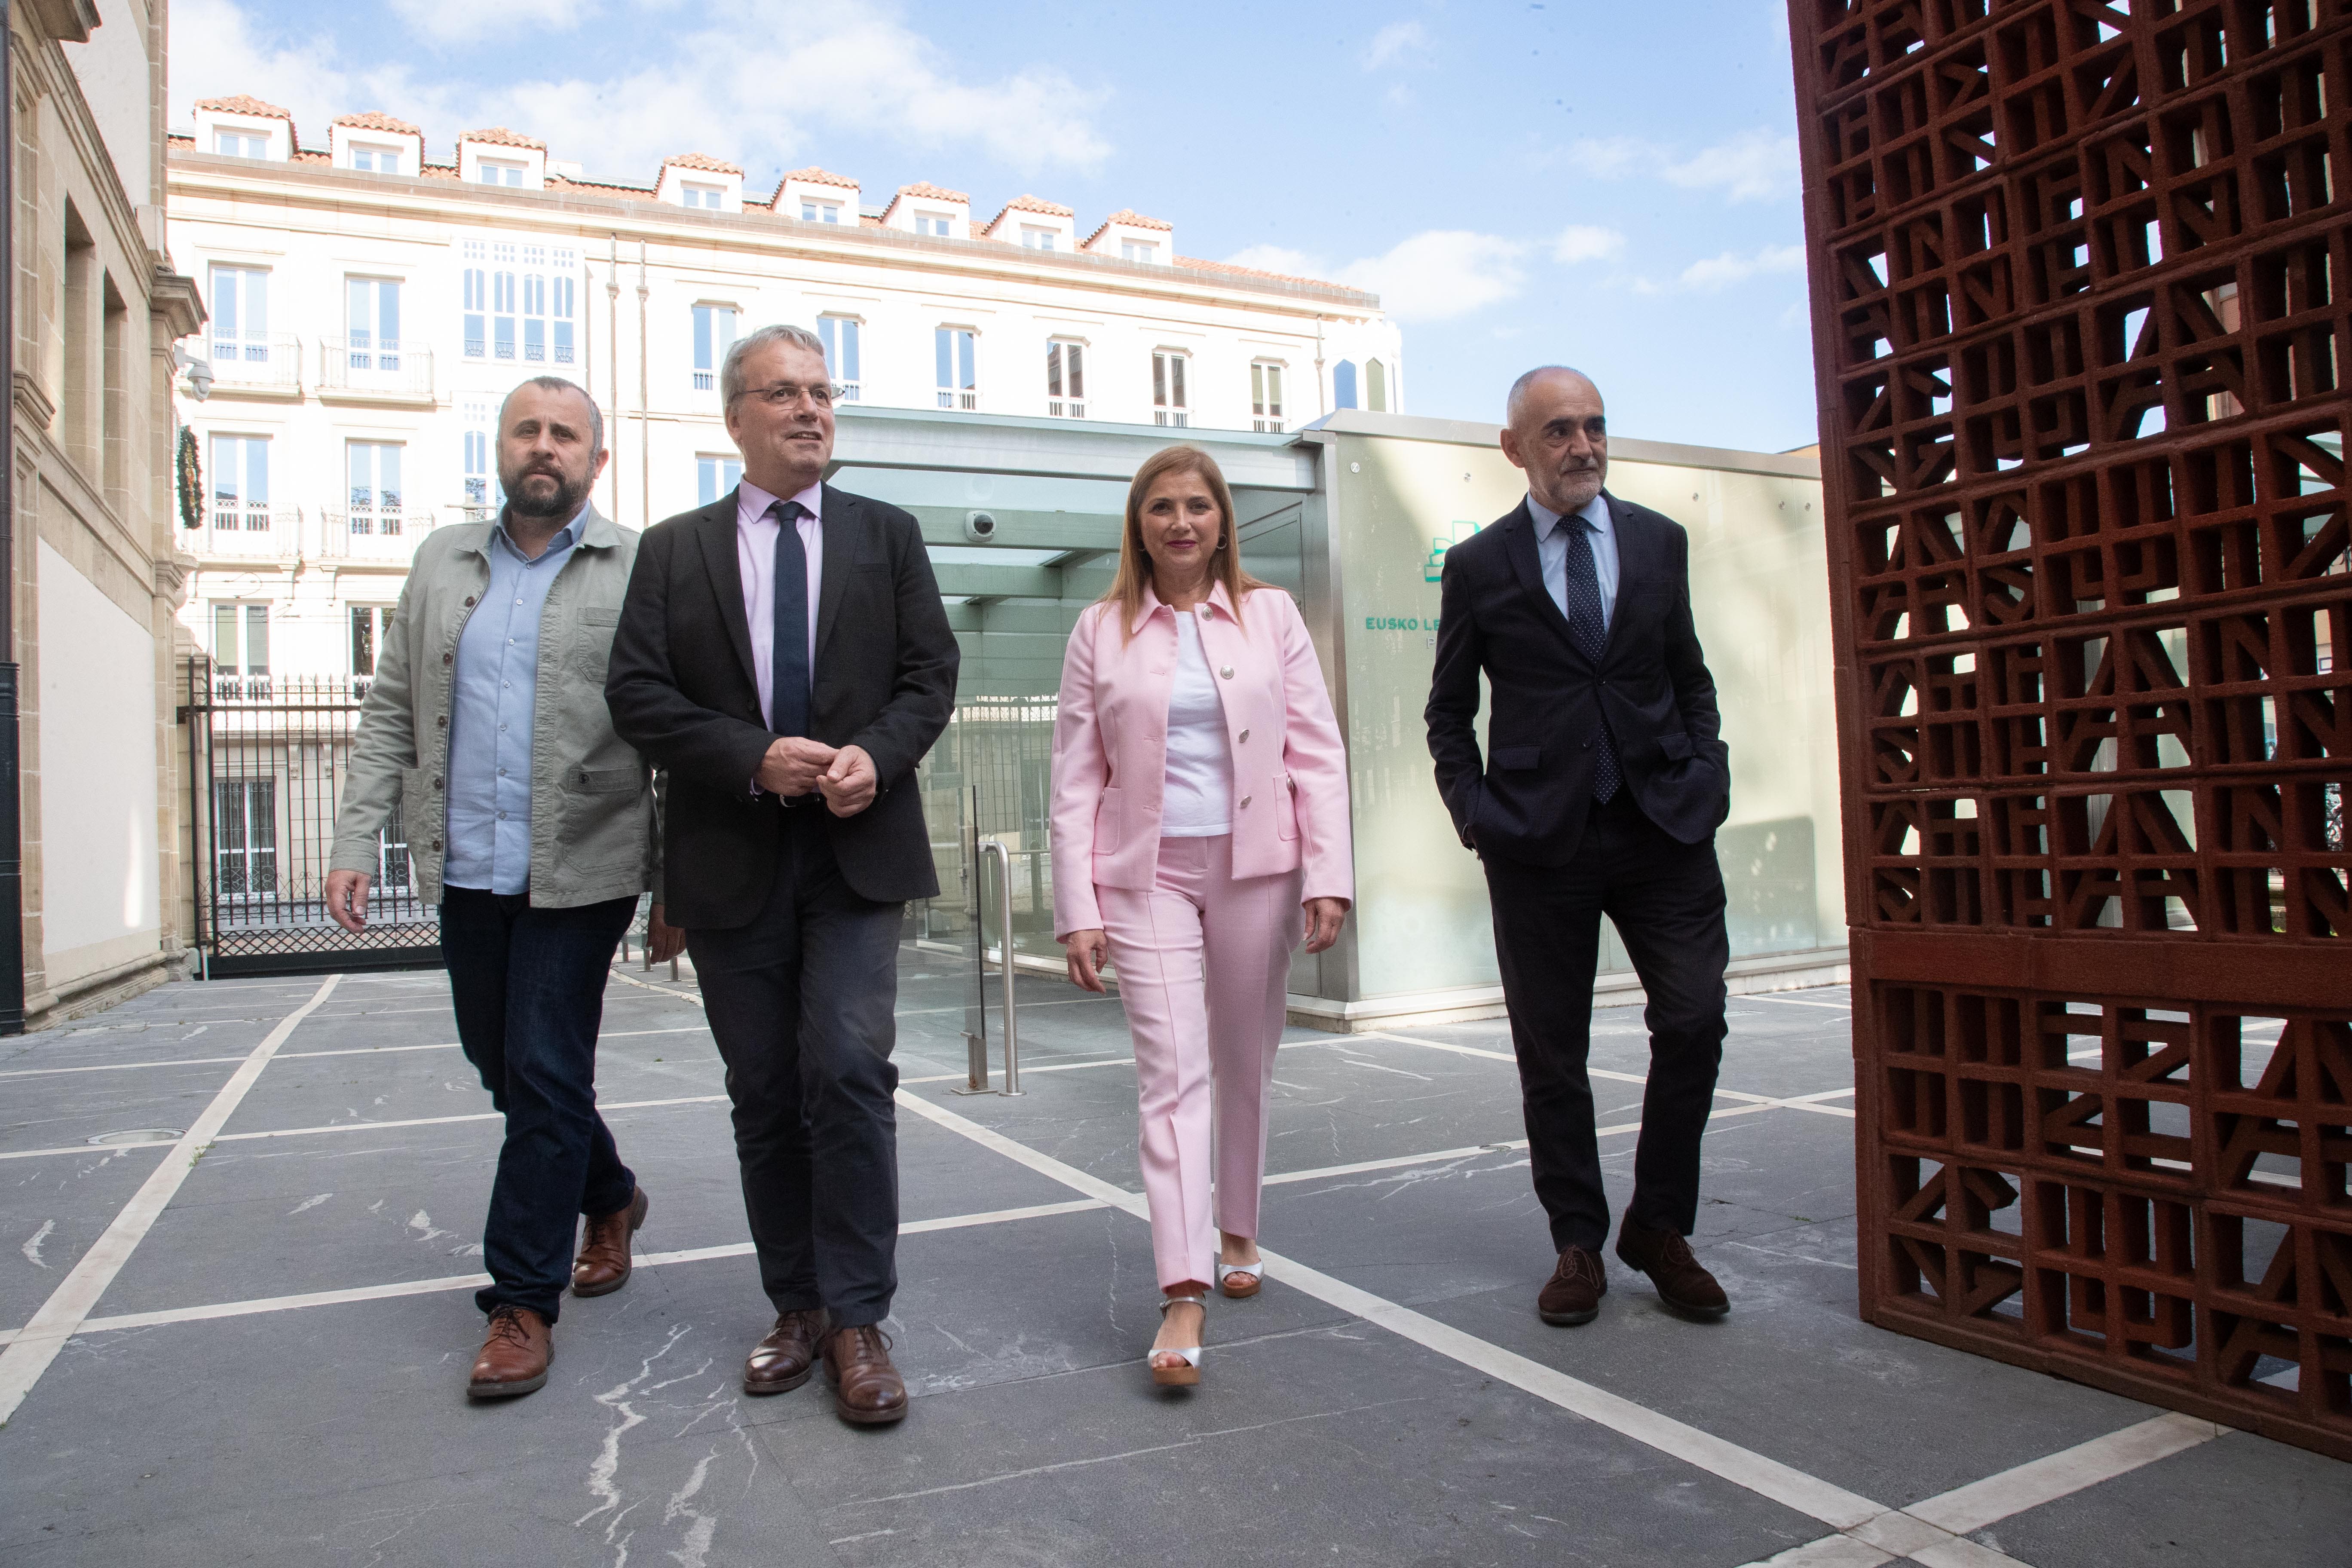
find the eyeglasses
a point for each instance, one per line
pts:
(784, 393)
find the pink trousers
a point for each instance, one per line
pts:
(1203, 964)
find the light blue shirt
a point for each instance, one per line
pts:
(493, 693)
(1551, 549)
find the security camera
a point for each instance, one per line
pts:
(980, 527)
(199, 372)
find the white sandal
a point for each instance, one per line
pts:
(1251, 1273)
(1187, 1374)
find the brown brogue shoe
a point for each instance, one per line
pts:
(514, 1356)
(1662, 1255)
(866, 1389)
(605, 1259)
(787, 1357)
(1573, 1295)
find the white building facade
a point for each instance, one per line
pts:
(370, 308)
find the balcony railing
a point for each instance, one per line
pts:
(245, 532)
(372, 535)
(257, 362)
(387, 366)
(1065, 409)
(965, 399)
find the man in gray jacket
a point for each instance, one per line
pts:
(532, 826)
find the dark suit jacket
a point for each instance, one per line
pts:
(1528, 800)
(682, 690)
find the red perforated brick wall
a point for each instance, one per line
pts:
(2081, 293)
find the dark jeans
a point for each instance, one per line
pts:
(528, 986)
(801, 1002)
(1666, 898)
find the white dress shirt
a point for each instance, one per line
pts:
(1197, 800)
(755, 557)
(1551, 549)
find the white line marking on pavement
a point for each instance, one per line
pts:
(107, 1148)
(448, 1120)
(120, 1067)
(36, 1346)
(1395, 1162)
(309, 1056)
(1969, 1508)
(475, 1281)
(1794, 1002)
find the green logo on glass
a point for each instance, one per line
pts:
(1434, 568)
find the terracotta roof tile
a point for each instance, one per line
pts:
(375, 122)
(817, 176)
(242, 104)
(924, 188)
(1036, 205)
(500, 136)
(1134, 219)
(703, 162)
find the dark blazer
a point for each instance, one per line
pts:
(1528, 800)
(682, 690)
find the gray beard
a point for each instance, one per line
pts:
(564, 503)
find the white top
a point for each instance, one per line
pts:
(1198, 799)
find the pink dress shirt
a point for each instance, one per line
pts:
(755, 557)
(1110, 751)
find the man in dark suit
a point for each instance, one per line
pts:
(1600, 793)
(784, 654)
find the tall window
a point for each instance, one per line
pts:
(482, 473)
(370, 623)
(1169, 403)
(840, 336)
(715, 476)
(1343, 385)
(820, 211)
(703, 195)
(1376, 386)
(241, 143)
(241, 650)
(956, 350)
(241, 482)
(1137, 250)
(563, 296)
(498, 171)
(245, 835)
(502, 301)
(714, 335)
(379, 160)
(1036, 238)
(240, 303)
(937, 225)
(476, 292)
(1066, 379)
(1266, 396)
(374, 469)
(373, 339)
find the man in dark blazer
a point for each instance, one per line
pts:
(1600, 792)
(784, 654)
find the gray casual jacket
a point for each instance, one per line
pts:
(594, 834)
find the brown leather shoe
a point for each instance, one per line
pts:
(866, 1389)
(1666, 1259)
(787, 1357)
(604, 1260)
(514, 1357)
(1573, 1295)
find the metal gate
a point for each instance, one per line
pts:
(267, 756)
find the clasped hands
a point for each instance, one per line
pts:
(796, 765)
(1087, 951)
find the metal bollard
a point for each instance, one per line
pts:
(1004, 935)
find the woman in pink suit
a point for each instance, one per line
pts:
(1200, 829)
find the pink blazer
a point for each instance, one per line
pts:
(1110, 751)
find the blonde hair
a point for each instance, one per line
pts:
(1135, 562)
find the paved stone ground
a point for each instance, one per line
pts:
(275, 1373)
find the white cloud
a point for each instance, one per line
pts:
(708, 91)
(1583, 242)
(1275, 258)
(1718, 272)
(448, 20)
(1610, 157)
(1393, 42)
(1441, 273)
(1753, 165)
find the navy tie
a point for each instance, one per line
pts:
(1591, 632)
(788, 655)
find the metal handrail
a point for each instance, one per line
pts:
(978, 1065)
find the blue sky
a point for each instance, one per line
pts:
(1611, 186)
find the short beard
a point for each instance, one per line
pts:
(564, 503)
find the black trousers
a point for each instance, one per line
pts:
(801, 1002)
(1666, 900)
(528, 987)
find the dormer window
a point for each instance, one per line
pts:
(241, 143)
(938, 225)
(709, 197)
(498, 171)
(1035, 239)
(820, 211)
(375, 159)
(1137, 250)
